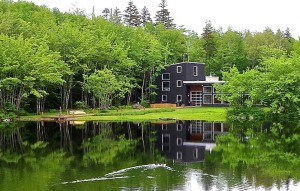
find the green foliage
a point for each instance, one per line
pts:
(80, 105)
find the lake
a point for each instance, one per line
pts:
(166, 155)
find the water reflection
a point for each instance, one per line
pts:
(187, 141)
(242, 155)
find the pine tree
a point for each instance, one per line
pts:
(106, 13)
(163, 15)
(287, 34)
(209, 42)
(116, 15)
(145, 16)
(132, 16)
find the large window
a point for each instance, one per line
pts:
(179, 83)
(207, 89)
(195, 71)
(164, 98)
(166, 86)
(166, 76)
(216, 100)
(179, 69)
(207, 99)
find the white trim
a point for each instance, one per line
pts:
(179, 69)
(195, 72)
(179, 141)
(204, 101)
(164, 98)
(179, 85)
(202, 82)
(211, 89)
(165, 88)
(179, 155)
(162, 76)
(177, 96)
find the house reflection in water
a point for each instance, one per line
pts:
(187, 141)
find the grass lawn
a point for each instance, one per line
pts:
(151, 114)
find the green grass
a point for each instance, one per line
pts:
(151, 114)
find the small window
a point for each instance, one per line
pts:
(179, 83)
(179, 69)
(195, 71)
(207, 89)
(166, 76)
(179, 141)
(179, 127)
(166, 86)
(179, 155)
(164, 126)
(195, 153)
(179, 98)
(164, 98)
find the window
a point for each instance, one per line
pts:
(164, 98)
(179, 98)
(207, 99)
(164, 126)
(166, 86)
(166, 76)
(179, 155)
(216, 100)
(207, 89)
(195, 153)
(179, 141)
(179, 127)
(179, 69)
(195, 71)
(179, 83)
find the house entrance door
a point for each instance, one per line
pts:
(196, 98)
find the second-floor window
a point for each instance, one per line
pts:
(166, 76)
(195, 71)
(179, 83)
(207, 89)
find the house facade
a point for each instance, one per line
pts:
(185, 83)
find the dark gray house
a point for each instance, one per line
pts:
(185, 83)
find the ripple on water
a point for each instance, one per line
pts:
(118, 174)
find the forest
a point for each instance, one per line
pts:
(51, 59)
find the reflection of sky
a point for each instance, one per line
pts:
(196, 180)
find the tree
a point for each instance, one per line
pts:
(209, 36)
(103, 84)
(163, 15)
(145, 16)
(131, 16)
(106, 13)
(116, 16)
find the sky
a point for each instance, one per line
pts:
(240, 15)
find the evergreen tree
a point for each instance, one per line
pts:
(106, 13)
(163, 15)
(145, 16)
(287, 34)
(132, 16)
(209, 42)
(116, 15)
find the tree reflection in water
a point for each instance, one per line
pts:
(267, 151)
